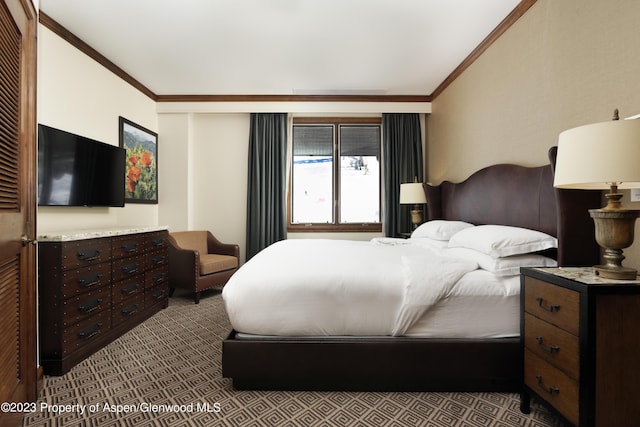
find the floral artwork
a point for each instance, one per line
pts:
(141, 181)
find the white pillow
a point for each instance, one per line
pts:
(428, 242)
(440, 229)
(506, 266)
(502, 241)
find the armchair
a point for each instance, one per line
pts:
(198, 261)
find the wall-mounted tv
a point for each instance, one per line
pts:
(78, 171)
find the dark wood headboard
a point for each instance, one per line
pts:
(522, 196)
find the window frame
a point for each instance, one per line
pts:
(336, 226)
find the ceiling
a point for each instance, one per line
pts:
(283, 47)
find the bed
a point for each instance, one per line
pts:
(342, 352)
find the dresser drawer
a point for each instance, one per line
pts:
(553, 385)
(127, 288)
(156, 240)
(79, 307)
(86, 331)
(85, 279)
(83, 253)
(553, 304)
(157, 276)
(157, 294)
(128, 245)
(127, 268)
(552, 344)
(128, 309)
(157, 258)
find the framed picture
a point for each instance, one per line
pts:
(141, 181)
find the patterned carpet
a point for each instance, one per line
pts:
(166, 372)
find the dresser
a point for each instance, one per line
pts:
(581, 342)
(94, 286)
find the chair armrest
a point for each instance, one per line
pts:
(184, 264)
(214, 246)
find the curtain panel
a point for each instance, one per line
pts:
(403, 161)
(266, 192)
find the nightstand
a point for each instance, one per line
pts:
(581, 341)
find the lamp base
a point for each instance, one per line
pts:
(621, 273)
(416, 218)
(614, 231)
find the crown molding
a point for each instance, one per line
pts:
(503, 26)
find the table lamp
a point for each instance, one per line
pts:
(603, 156)
(412, 193)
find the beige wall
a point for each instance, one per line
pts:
(563, 64)
(204, 174)
(78, 95)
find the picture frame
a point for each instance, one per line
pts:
(141, 169)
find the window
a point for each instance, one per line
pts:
(335, 176)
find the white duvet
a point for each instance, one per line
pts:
(317, 287)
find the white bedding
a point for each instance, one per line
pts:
(386, 287)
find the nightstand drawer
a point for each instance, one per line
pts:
(552, 344)
(553, 304)
(553, 385)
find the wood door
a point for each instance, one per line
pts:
(18, 364)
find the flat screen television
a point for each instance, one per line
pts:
(78, 171)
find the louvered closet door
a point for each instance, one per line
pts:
(17, 205)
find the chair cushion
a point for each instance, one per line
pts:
(194, 240)
(212, 263)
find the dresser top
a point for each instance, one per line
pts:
(67, 236)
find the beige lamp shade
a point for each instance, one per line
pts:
(594, 156)
(412, 193)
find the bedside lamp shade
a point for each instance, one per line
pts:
(594, 156)
(412, 193)
(597, 157)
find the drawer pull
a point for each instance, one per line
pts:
(90, 331)
(89, 255)
(158, 294)
(158, 260)
(128, 290)
(90, 306)
(130, 247)
(159, 242)
(551, 308)
(550, 390)
(157, 278)
(548, 349)
(130, 268)
(89, 281)
(130, 310)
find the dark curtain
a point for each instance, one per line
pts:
(266, 192)
(402, 161)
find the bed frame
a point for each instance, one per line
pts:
(500, 194)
